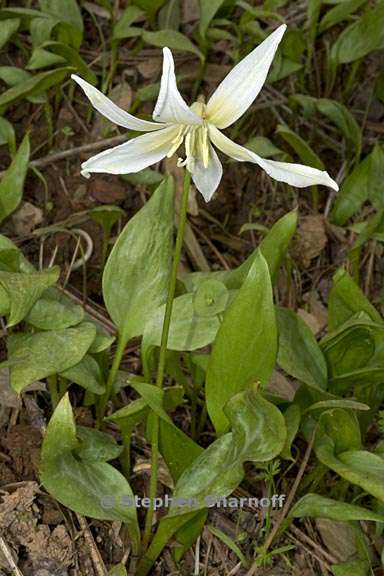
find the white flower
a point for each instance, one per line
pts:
(198, 127)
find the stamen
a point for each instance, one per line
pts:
(177, 141)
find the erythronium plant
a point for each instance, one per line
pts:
(198, 126)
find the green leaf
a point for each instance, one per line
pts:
(360, 38)
(302, 149)
(36, 356)
(7, 135)
(248, 331)
(70, 28)
(95, 445)
(34, 85)
(292, 417)
(299, 354)
(129, 15)
(188, 330)
(146, 177)
(135, 279)
(150, 6)
(53, 311)
(71, 56)
(258, 435)
(316, 506)
(118, 570)
(334, 447)
(173, 39)
(339, 13)
(86, 374)
(24, 290)
(177, 449)
(12, 182)
(231, 544)
(7, 29)
(41, 58)
(169, 16)
(80, 484)
(210, 298)
(264, 147)
(352, 568)
(207, 13)
(337, 403)
(364, 183)
(346, 299)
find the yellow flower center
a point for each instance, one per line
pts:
(195, 138)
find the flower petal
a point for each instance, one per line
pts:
(207, 179)
(134, 155)
(170, 105)
(111, 111)
(240, 87)
(293, 174)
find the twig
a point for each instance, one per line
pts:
(305, 538)
(51, 158)
(93, 549)
(287, 504)
(9, 558)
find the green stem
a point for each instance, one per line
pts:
(121, 343)
(163, 353)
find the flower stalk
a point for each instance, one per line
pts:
(163, 353)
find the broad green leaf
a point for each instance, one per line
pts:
(24, 290)
(339, 13)
(207, 13)
(299, 354)
(118, 570)
(346, 299)
(264, 147)
(211, 298)
(172, 39)
(41, 29)
(292, 417)
(34, 85)
(187, 535)
(355, 354)
(188, 330)
(135, 279)
(66, 54)
(365, 182)
(351, 568)
(7, 29)
(41, 58)
(146, 177)
(49, 313)
(169, 16)
(95, 445)
(359, 467)
(80, 484)
(106, 215)
(248, 331)
(273, 248)
(129, 15)
(86, 374)
(316, 506)
(301, 147)
(258, 435)
(7, 134)
(177, 448)
(150, 6)
(360, 38)
(12, 182)
(70, 28)
(36, 356)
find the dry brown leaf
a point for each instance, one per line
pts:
(310, 239)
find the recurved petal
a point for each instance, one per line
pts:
(134, 155)
(240, 87)
(170, 105)
(293, 174)
(207, 179)
(111, 111)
